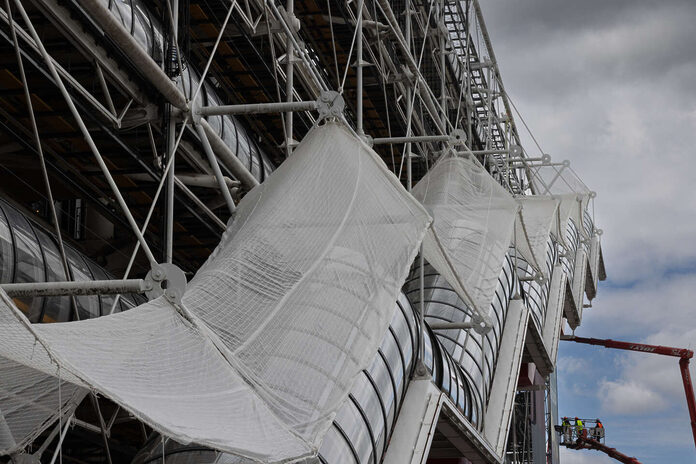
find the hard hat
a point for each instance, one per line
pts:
(576, 417)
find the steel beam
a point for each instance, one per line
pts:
(258, 108)
(451, 325)
(228, 157)
(411, 139)
(216, 169)
(141, 60)
(91, 287)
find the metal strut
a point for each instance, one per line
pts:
(587, 443)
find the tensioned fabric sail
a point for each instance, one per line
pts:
(29, 403)
(473, 219)
(562, 181)
(275, 326)
(533, 226)
(568, 203)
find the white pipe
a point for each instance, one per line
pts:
(257, 108)
(194, 180)
(414, 139)
(451, 325)
(359, 69)
(290, 80)
(91, 287)
(141, 60)
(60, 441)
(228, 157)
(216, 169)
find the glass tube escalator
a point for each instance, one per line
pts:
(361, 430)
(29, 253)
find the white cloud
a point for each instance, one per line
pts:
(628, 398)
(660, 374)
(652, 306)
(571, 365)
(584, 457)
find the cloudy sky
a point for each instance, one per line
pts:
(611, 86)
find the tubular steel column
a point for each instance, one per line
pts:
(171, 135)
(290, 81)
(359, 69)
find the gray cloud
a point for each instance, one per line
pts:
(610, 85)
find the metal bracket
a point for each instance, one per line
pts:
(538, 277)
(168, 280)
(457, 137)
(481, 326)
(330, 104)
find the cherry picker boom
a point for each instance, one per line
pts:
(683, 354)
(588, 443)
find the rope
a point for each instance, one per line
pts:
(525, 124)
(170, 162)
(212, 53)
(60, 417)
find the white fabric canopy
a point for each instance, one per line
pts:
(562, 181)
(568, 203)
(533, 226)
(29, 403)
(274, 327)
(473, 219)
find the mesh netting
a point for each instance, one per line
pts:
(533, 227)
(563, 182)
(30, 402)
(566, 209)
(289, 308)
(473, 219)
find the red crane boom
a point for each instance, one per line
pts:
(588, 443)
(683, 354)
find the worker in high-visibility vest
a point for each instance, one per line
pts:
(598, 430)
(579, 428)
(567, 435)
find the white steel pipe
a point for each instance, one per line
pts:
(216, 169)
(59, 446)
(89, 287)
(451, 325)
(203, 207)
(359, 69)
(205, 180)
(193, 180)
(141, 60)
(289, 80)
(228, 157)
(411, 139)
(257, 108)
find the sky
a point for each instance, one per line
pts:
(611, 86)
